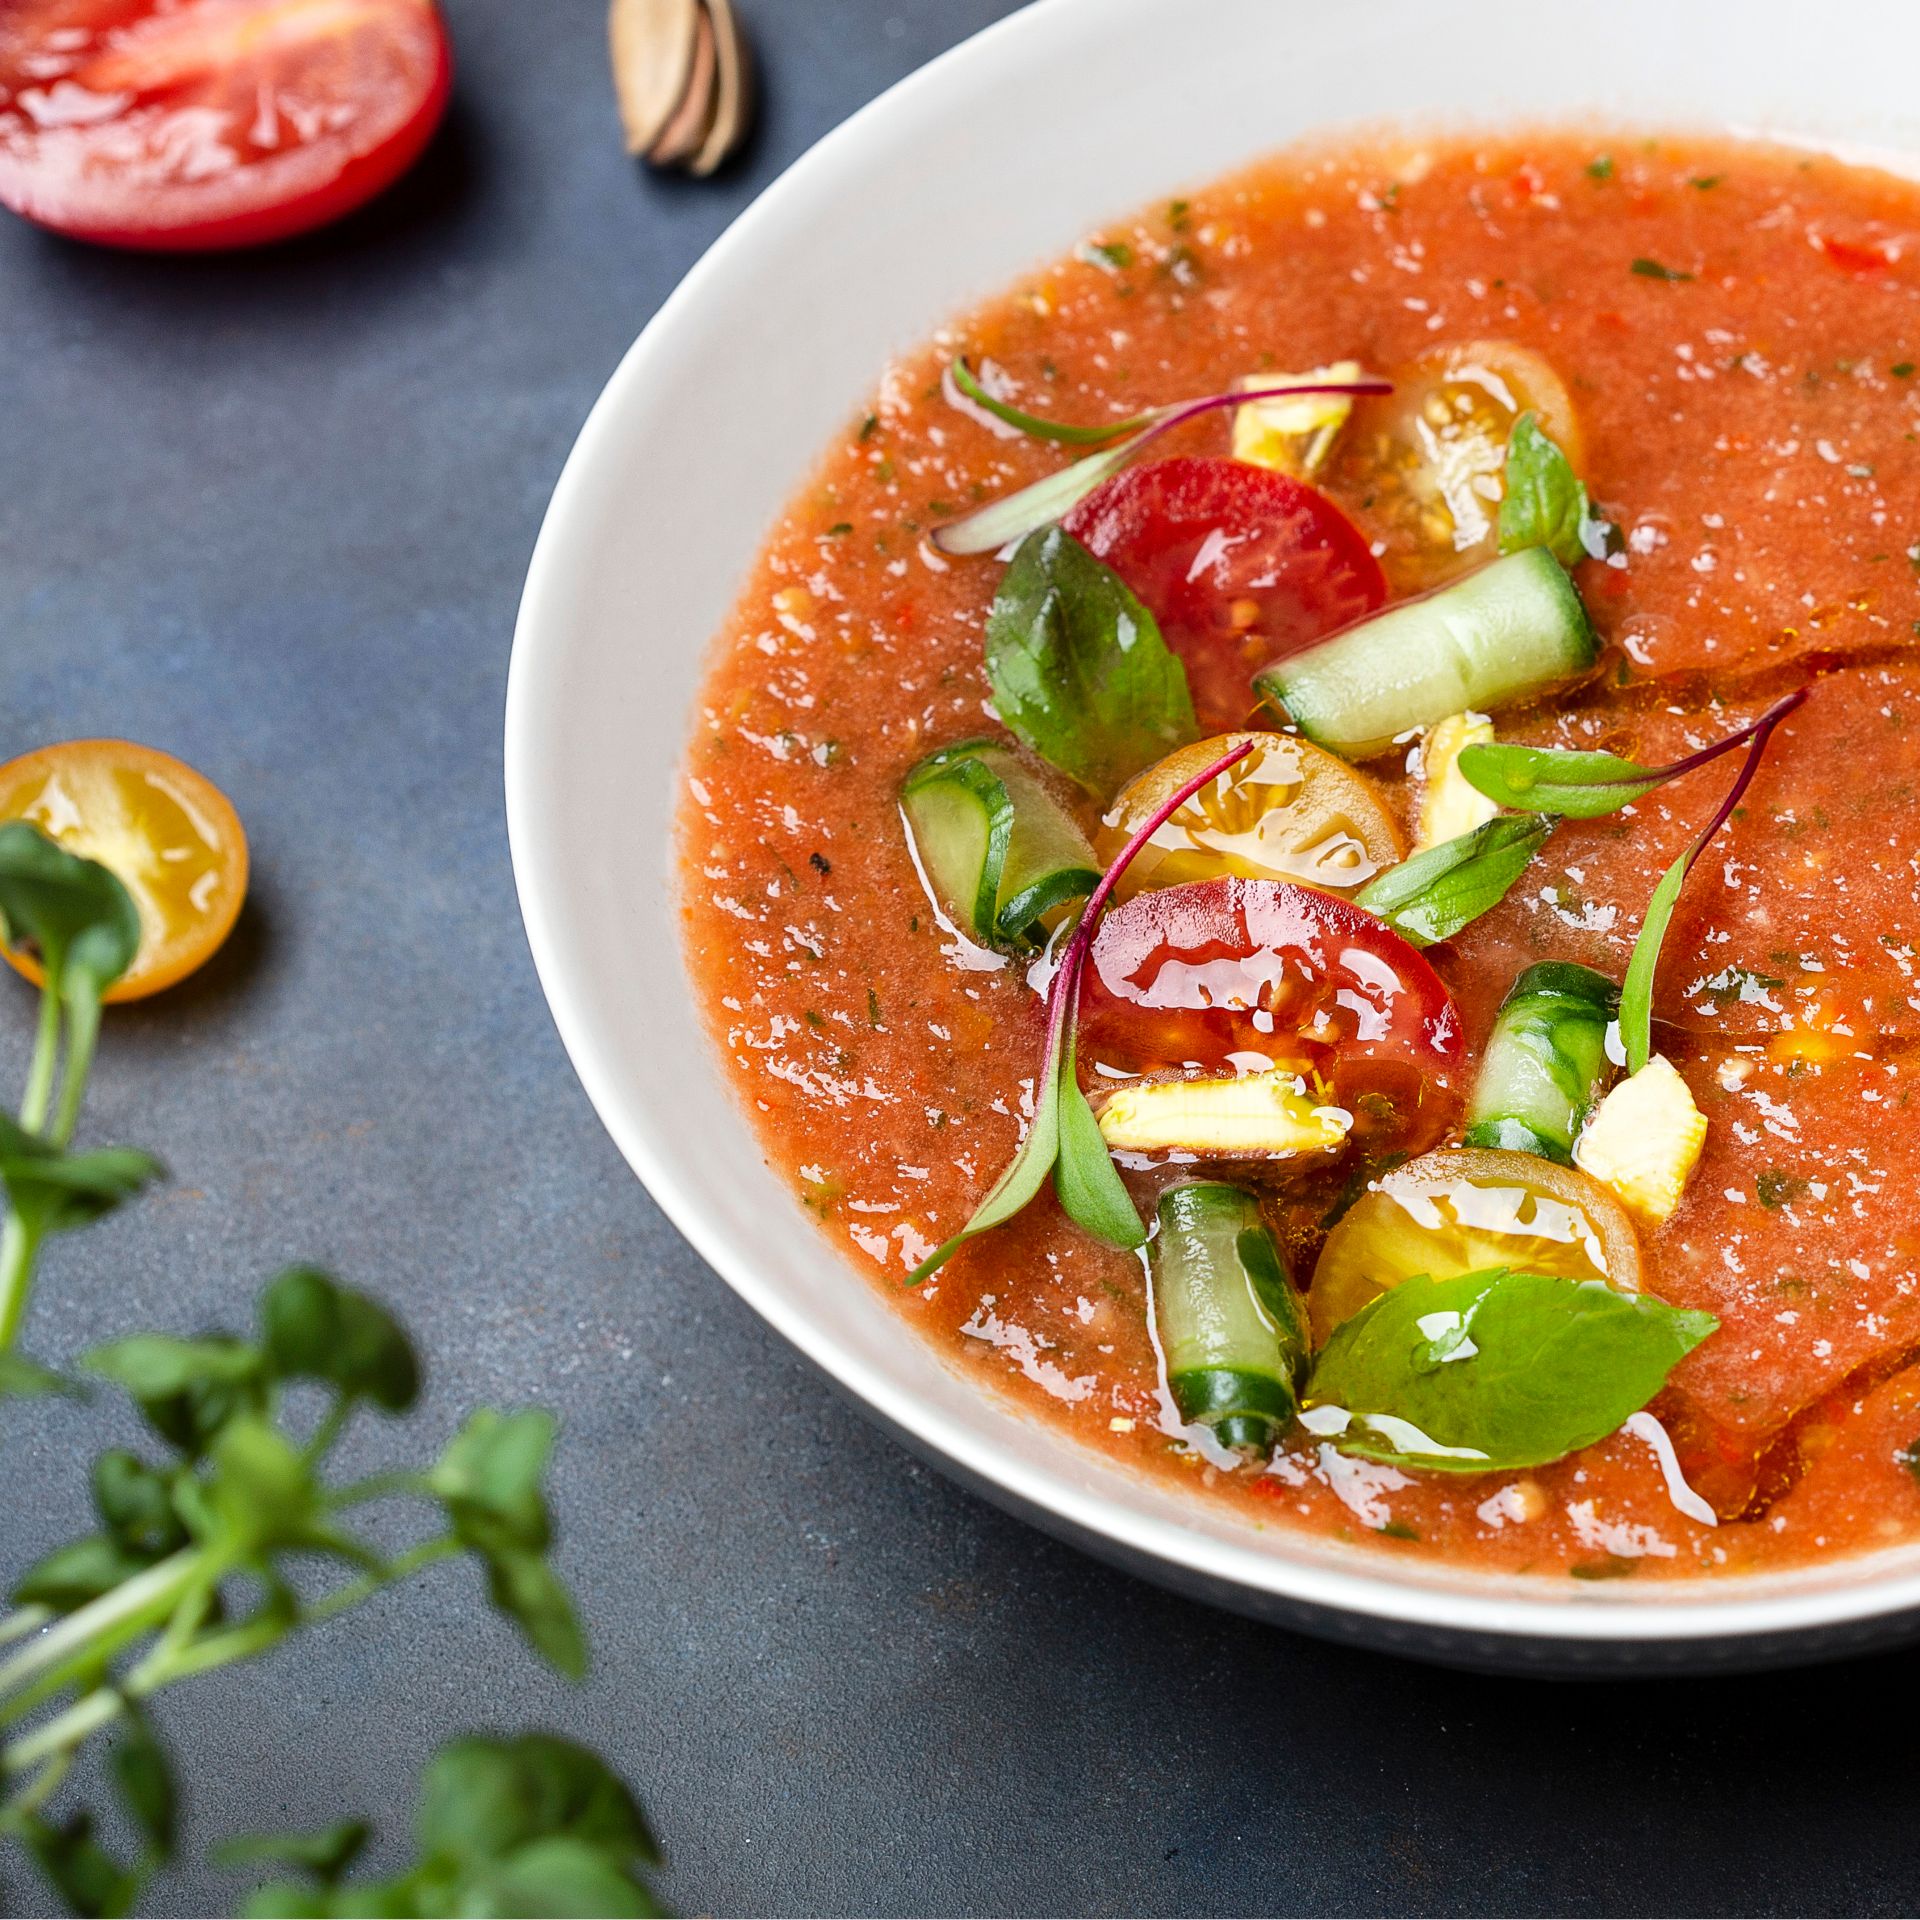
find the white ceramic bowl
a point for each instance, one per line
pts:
(993, 158)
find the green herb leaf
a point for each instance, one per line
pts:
(70, 1576)
(1502, 1369)
(1078, 668)
(1577, 786)
(1111, 256)
(1600, 167)
(326, 1854)
(1437, 892)
(1025, 1174)
(1653, 270)
(260, 1487)
(485, 1798)
(1636, 990)
(1544, 502)
(156, 1366)
(135, 1504)
(144, 1779)
(53, 1190)
(490, 1482)
(533, 1825)
(86, 1877)
(79, 919)
(1084, 1176)
(1032, 425)
(24, 1379)
(315, 1329)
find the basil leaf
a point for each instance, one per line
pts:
(1501, 1369)
(1544, 503)
(1078, 668)
(1433, 895)
(1577, 786)
(1084, 1176)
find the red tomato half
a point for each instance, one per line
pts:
(1199, 973)
(186, 125)
(1240, 565)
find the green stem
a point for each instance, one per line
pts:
(402, 1567)
(83, 1031)
(46, 1051)
(332, 1424)
(378, 1486)
(35, 1795)
(63, 1736)
(23, 1621)
(17, 1248)
(108, 1622)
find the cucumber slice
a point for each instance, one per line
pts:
(1232, 1328)
(1049, 862)
(1512, 630)
(1546, 1062)
(1002, 855)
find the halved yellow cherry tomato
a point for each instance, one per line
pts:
(167, 833)
(1462, 1210)
(1288, 811)
(1427, 460)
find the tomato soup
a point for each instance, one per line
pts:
(1394, 1155)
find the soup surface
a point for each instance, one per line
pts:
(1731, 335)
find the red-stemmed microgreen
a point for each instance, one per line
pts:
(1636, 991)
(1012, 518)
(1582, 786)
(1062, 432)
(1065, 1138)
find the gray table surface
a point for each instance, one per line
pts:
(273, 514)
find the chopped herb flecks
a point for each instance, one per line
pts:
(1653, 270)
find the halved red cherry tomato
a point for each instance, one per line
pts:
(187, 125)
(1240, 565)
(1236, 973)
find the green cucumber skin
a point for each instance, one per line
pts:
(1545, 1063)
(1231, 1325)
(1512, 630)
(1034, 858)
(946, 789)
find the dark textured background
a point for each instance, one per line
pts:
(273, 514)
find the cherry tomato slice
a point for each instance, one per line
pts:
(1240, 565)
(1235, 974)
(167, 833)
(207, 124)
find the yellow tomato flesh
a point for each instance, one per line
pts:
(1429, 459)
(1465, 1210)
(1288, 811)
(167, 833)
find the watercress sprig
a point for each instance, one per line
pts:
(204, 1556)
(1582, 785)
(1636, 991)
(530, 1824)
(83, 928)
(1065, 1138)
(1003, 521)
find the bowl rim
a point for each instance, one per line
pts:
(1447, 1601)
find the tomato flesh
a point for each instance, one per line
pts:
(1230, 974)
(166, 832)
(212, 123)
(1240, 566)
